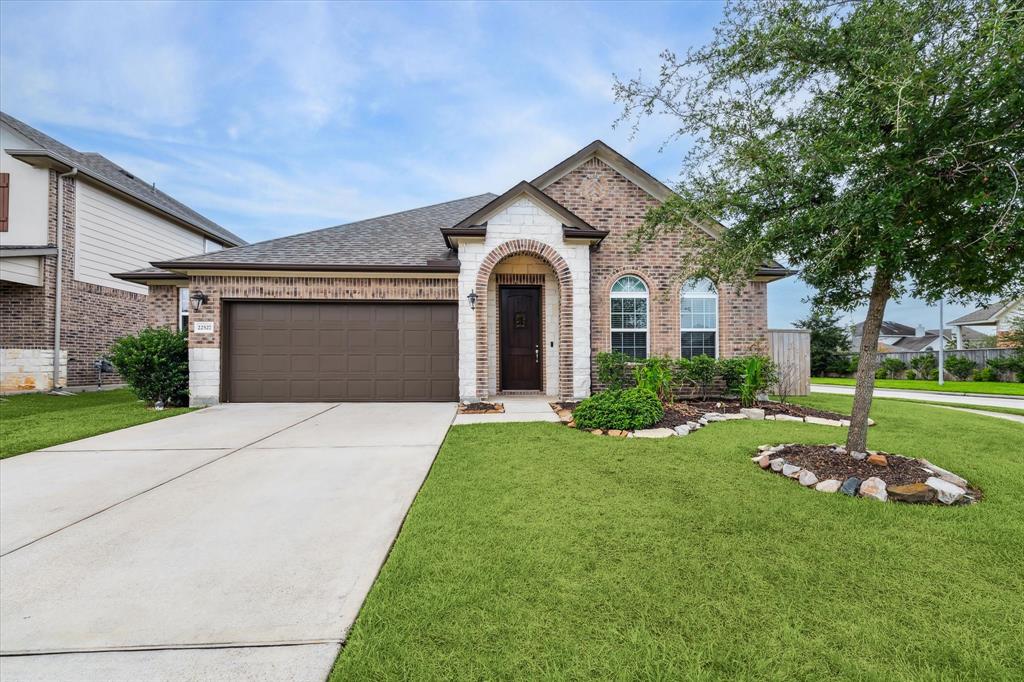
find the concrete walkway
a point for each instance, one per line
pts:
(517, 409)
(233, 543)
(929, 396)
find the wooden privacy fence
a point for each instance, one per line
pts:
(790, 349)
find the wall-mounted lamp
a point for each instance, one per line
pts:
(198, 298)
(472, 300)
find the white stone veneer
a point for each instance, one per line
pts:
(203, 376)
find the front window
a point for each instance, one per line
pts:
(698, 319)
(629, 317)
(183, 309)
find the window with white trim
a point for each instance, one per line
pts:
(698, 319)
(183, 309)
(629, 316)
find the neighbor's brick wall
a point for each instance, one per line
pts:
(163, 307)
(92, 316)
(607, 200)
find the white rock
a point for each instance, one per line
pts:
(754, 413)
(729, 416)
(822, 422)
(807, 478)
(770, 417)
(787, 418)
(871, 422)
(947, 492)
(713, 417)
(839, 450)
(682, 430)
(777, 464)
(829, 486)
(762, 448)
(844, 422)
(703, 421)
(653, 433)
(874, 487)
(945, 475)
(858, 455)
(693, 425)
(763, 461)
(790, 470)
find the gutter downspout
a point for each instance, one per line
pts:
(60, 276)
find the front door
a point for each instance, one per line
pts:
(520, 350)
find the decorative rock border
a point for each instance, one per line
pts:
(751, 413)
(939, 487)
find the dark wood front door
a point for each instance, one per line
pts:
(520, 350)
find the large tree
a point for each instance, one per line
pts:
(876, 146)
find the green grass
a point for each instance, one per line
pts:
(993, 387)
(535, 551)
(32, 421)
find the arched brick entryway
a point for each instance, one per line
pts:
(545, 252)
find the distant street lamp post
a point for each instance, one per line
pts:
(942, 345)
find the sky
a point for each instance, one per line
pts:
(275, 118)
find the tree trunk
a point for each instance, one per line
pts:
(857, 439)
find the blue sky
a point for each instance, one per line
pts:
(274, 118)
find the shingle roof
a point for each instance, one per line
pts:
(110, 173)
(889, 328)
(983, 314)
(406, 240)
(914, 342)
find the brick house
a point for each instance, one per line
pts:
(110, 221)
(466, 299)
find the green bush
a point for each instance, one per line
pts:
(699, 371)
(924, 366)
(633, 408)
(1004, 367)
(986, 374)
(613, 369)
(960, 367)
(155, 364)
(758, 374)
(854, 361)
(656, 375)
(731, 371)
(890, 368)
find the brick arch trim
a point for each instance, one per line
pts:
(531, 247)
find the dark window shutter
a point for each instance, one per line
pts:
(5, 196)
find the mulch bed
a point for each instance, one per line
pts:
(691, 410)
(481, 408)
(828, 464)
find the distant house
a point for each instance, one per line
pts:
(111, 221)
(999, 315)
(895, 336)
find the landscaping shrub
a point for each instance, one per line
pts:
(731, 371)
(656, 375)
(758, 374)
(699, 371)
(155, 364)
(633, 408)
(890, 368)
(1004, 367)
(986, 374)
(924, 366)
(613, 369)
(851, 367)
(960, 367)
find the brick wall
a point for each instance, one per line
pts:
(163, 307)
(92, 316)
(608, 200)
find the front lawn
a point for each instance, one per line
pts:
(535, 551)
(993, 387)
(37, 420)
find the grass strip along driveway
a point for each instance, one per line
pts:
(37, 420)
(990, 387)
(534, 551)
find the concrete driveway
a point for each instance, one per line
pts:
(233, 543)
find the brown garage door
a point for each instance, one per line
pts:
(285, 352)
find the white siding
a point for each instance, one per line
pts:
(116, 236)
(1005, 323)
(29, 197)
(23, 270)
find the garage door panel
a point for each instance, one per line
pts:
(298, 351)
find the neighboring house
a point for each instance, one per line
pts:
(895, 336)
(111, 221)
(1000, 316)
(467, 299)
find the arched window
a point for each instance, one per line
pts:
(698, 319)
(629, 316)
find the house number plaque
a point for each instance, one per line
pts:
(203, 327)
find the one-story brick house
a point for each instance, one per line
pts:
(466, 299)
